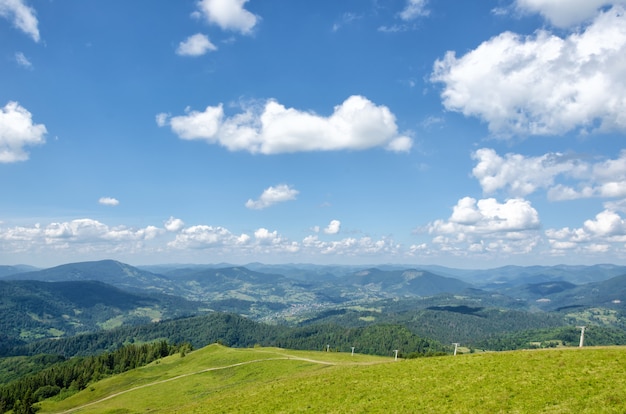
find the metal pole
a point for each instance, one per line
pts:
(582, 336)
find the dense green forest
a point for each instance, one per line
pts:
(543, 338)
(236, 331)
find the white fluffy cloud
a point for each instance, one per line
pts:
(487, 216)
(605, 179)
(605, 233)
(333, 227)
(414, 9)
(18, 131)
(484, 227)
(228, 14)
(79, 236)
(273, 195)
(88, 239)
(174, 224)
(563, 177)
(108, 201)
(220, 239)
(203, 237)
(195, 45)
(542, 84)
(351, 246)
(607, 224)
(272, 128)
(565, 13)
(22, 16)
(521, 175)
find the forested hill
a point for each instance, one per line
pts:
(236, 331)
(446, 309)
(13, 270)
(32, 309)
(107, 271)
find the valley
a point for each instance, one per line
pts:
(448, 306)
(303, 321)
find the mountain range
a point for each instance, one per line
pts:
(87, 296)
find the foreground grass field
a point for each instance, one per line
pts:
(216, 379)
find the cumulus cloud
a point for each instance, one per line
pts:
(542, 84)
(565, 13)
(267, 236)
(174, 224)
(23, 61)
(221, 239)
(88, 239)
(273, 195)
(202, 237)
(488, 216)
(605, 233)
(485, 227)
(333, 227)
(108, 201)
(521, 175)
(228, 15)
(22, 16)
(351, 246)
(563, 177)
(18, 131)
(414, 9)
(195, 45)
(607, 224)
(80, 235)
(605, 179)
(356, 124)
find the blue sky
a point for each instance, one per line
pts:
(466, 134)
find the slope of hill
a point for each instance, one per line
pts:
(33, 310)
(107, 271)
(608, 293)
(536, 291)
(217, 379)
(12, 270)
(507, 276)
(238, 283)
(237, 331)
(444, 318)
(404, 282)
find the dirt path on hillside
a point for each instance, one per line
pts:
(282, 357)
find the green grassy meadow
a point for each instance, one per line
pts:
(217, 379)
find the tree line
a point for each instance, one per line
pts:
(546, 338)
(74, 374)
(90, 357)
(236, 331)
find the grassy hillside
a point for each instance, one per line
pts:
(219, 379)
